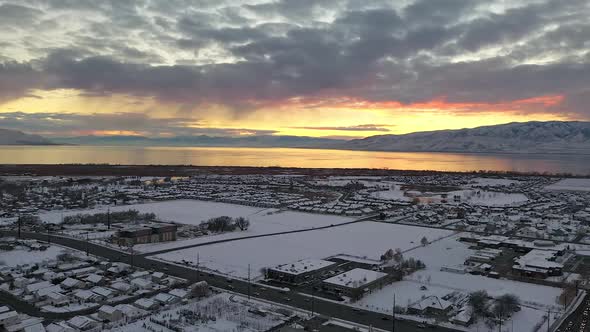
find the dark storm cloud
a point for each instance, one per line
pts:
(248, 55)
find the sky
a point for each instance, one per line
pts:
(331, 68)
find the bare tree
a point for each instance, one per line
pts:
(242, 223)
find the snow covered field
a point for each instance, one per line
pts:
(493, 182)
(370, 239)
(571, 185)
(22, 256)
(262, 221)
(451, 252)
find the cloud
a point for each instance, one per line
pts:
(244, 57)
(363, 127)
(74, 124)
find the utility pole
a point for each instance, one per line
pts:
(197, 261)
(109, 218)
(248, 282)
(19, 221)
(548, 319)
(393, 315)
(87, 244)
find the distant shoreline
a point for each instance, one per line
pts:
(528, 153)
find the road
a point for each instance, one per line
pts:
(579, 320)
(323, 307)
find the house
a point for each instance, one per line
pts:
(8, 318)
(431, 306)
(35, 328)
(146, 304)
(33, 288)
(463, 318)
(110, 313)
(94, 279)
(104, 293)
(70, 283)
(142, 283)
(180, 293)
(86, 296)
(57, 299)
(157, 276)
(83, 323)
(59, 327)
(131, 312)
(165, 298)
(121, 286)
(41, 294)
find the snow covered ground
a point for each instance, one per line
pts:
(262, 221)
(370, 239)
(181, 211)
(22, 256)
(493, 182)
(571, 185)
(450, 252)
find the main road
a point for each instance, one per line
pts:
(290, 298)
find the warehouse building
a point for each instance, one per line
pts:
(148, 233)
(356, 282)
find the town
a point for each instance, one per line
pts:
(294, 251)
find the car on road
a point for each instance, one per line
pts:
(231, 287)
(287, 299)
(229, 281)
(256, 294)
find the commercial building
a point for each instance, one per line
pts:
(148, 233)
(300, 271)
(538, 264)
(356, 282)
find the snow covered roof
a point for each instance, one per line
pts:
(70, 282)
(39, 285)
(81, 322)
(431, 302)
(355, 278)
(35, 328)
(102, 291)
(94, 278)
(182, 293)
(303, 266)
(108, 309)
(538, 259)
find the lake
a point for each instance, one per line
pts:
(286, 157)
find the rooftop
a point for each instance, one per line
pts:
(355, 278)
(303, 266)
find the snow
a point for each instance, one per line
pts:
(450, 252)
(18, 257)
(302, 266)
(364, 239)
(355, 278)
(232, 313)
(570, 185)
(193, 212)
(493, 182)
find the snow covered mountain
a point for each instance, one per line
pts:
(527, 137)
(15, 137)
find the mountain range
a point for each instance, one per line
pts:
(517, 137)
(15, 137)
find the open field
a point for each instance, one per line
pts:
(366, 239)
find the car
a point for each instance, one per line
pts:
(287, 299)
(421, 326)
(229, 281)
(384, 318)
(230, 287)
(256, 294)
